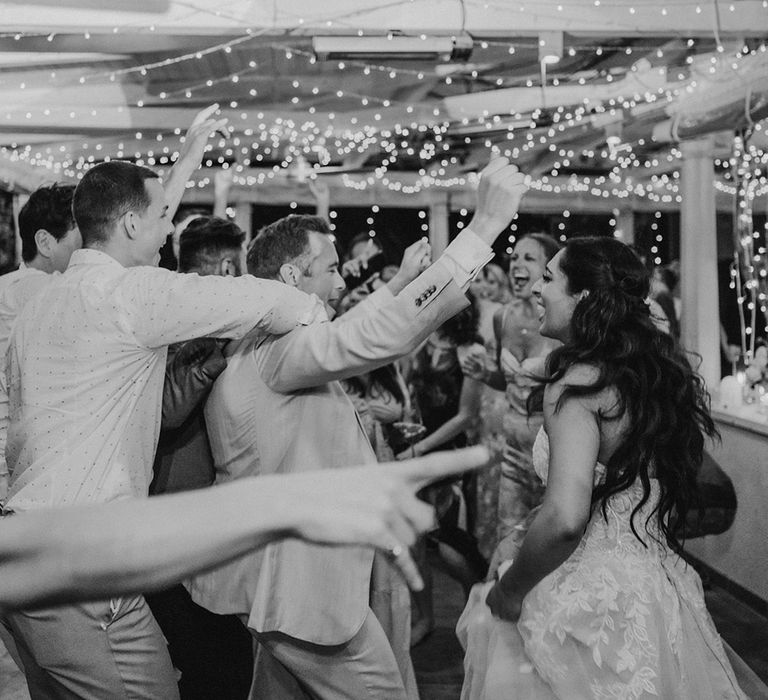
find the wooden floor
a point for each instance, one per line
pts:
(438, 660)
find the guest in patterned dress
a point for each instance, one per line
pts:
(509, 489)
(449, 405)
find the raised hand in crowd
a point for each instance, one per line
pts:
(204, 125)
(322, 194)
(416, 258)
(499, 192)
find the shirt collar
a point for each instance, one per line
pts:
(91, 256)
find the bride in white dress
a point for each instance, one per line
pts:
(597, 603)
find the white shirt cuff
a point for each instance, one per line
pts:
(466, 255)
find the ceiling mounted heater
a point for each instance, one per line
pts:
(393, 47)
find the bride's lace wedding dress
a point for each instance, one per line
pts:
(618, 619)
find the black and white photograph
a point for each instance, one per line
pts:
(384, 350)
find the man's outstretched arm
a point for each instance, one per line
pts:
(87, 552)
(319, 353)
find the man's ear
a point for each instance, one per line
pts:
(44, 242)
(289, 274)
(583, 294)
(130, 224)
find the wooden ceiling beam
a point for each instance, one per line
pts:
(73, 40)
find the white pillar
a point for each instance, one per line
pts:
(625, 226)
(438, 223)
(243, 219)
(698, 257)
(19, 200)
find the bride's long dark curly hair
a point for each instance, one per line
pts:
(664, 398)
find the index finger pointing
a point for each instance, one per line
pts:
(439, 465)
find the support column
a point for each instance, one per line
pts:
(243, 219)
(19, 200)
(698, 257)
(625, 225)
(438, 223)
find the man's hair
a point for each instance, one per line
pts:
(205, 241)
(48, 208)
(284, 241)
(106, 192)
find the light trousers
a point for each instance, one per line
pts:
(94, 651)
(364, 668)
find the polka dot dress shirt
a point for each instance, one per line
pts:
(16, 289)
(85, 369)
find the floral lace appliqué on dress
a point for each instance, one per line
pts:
(616, 620)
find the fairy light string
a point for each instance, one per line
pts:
(298, 141)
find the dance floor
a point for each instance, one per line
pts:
(438, 660)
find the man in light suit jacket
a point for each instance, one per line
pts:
(279, 408)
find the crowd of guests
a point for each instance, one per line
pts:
(241, 376)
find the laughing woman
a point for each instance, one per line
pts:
(510, 489)
(598, 602)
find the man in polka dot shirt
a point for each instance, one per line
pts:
(85, 373)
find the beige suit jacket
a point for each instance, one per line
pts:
(278, 408)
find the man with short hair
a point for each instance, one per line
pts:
(210, 245)
(214, 653)
(85, 371)
(48, 235)
(47, 228)
(279, 408)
